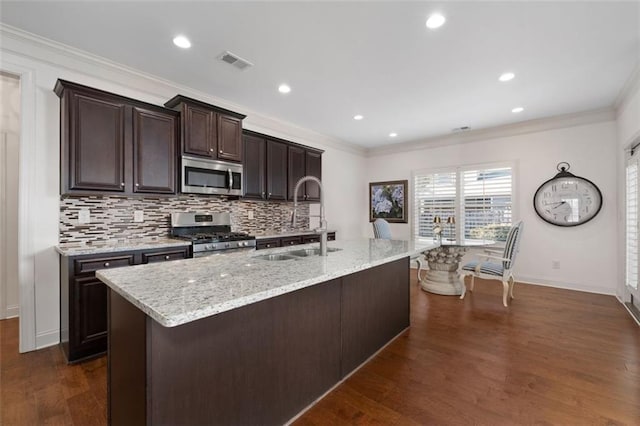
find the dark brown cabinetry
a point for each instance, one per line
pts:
(83, 298)
(304, 162)
(265, 168)
(110, 143)
(273, 166)
(207, 130)
(290, 240)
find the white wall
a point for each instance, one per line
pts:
(47, 61)
(587, 253)
(628, 127)
(9, 158)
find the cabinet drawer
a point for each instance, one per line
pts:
(83, 266)
(163, 256)
(311, 239)
(291, 241)
(265, 244)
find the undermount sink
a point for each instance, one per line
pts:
(276, 257)
(310, 252)
(294, 254)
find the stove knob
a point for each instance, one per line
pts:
(227, 245)
(210, 246)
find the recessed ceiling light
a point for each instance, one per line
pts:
(393, 135)
(284, 88)
(435, 21)
(182, 41)
(517, 110)
(358, 117)
(507, 76)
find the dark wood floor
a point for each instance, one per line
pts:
(553, 357)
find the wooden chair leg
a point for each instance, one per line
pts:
(505, 290)
(512, 283)
(464, 287)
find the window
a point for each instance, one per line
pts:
(479, 198)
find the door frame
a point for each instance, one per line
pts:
(26, 256)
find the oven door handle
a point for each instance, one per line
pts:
(230, 179)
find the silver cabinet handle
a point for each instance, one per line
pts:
(106, 264)
(211, 149)
(269, 194)
(230, 179)
(167, 257)
(122, 184)
(220, 151)
(263, 195)
(137, 185)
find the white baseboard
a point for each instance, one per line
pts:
(565, 285)
(12, 311)
(47, 338)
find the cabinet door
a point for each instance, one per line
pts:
(97, 143)
(199, 132)
(276, 170)
(313, 162)
(254, 167)
(90, 310)
(229, 138)
(296, 170)
(154, 151)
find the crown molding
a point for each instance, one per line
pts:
(54, 51)
(530, 126)
(631, 86)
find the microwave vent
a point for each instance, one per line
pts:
(235, 60)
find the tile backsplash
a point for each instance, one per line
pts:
(111, 217)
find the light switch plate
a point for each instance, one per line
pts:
(138, 216)
(84, 216)
(250, 214)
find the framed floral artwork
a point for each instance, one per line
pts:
(388, 201)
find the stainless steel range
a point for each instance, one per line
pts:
(209, 233)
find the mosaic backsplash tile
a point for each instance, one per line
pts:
(112, 216)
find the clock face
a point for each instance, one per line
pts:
(567, 201)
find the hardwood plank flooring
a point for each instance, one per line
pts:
(553, 357)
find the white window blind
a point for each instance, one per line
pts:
(632, 223)
(434, 195)
(486, 203)
(480, 199)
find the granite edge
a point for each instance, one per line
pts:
(118, 247)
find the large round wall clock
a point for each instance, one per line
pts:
(567, 199)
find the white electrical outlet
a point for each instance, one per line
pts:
(555, 264)
(138, 216)
(250, 214)
(84, 216)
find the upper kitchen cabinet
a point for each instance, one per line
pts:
(207, 130)
(265, 168)
(304, 161)
(114, 144)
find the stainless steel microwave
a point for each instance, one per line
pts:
(202, 176)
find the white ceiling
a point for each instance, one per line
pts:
(373, 58)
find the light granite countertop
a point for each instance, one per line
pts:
(279, 234)
(178, 292)
(116, 246)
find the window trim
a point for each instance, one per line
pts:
(459, 169)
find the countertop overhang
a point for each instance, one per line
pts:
(182, 291)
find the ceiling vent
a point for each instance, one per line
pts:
(461, 129)
(235, 60)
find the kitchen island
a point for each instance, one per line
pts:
(239, 339)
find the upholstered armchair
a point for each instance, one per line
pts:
(495, 265)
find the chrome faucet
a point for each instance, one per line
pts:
(323, 223)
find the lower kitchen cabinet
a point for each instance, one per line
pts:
(292, 240)
(83, 298)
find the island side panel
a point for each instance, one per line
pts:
(126, 362)
(260, 364)
(375, 309)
